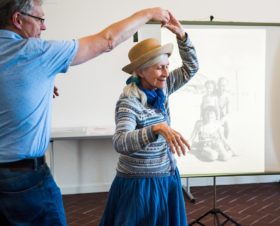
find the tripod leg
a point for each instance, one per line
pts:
(197, 221)
(228, 218)
(216, 219)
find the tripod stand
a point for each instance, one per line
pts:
(215, 212)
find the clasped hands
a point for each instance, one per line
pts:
(168, 21)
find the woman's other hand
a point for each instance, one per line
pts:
(176, 141)
(175, 27)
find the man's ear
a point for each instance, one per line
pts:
(16, 20)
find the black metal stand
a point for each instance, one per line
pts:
(215, 212)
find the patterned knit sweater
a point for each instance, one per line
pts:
(142, 153)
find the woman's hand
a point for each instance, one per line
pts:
(175, 27)
(176, 141)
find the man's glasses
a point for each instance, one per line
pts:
(42, 20)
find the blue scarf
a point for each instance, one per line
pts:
(155, 97)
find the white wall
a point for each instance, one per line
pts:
(89, 165)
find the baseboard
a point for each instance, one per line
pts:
(104, 187)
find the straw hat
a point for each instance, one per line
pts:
(145, 51)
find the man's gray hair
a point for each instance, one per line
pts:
(9, 7)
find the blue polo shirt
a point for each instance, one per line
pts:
(27, 73)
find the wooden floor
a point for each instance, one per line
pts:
(247, 204)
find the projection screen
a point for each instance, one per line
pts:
(227, 111)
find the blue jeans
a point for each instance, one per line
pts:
(30, 198)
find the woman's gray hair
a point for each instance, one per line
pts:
(132, 90)
(9, 7)
(153, 61)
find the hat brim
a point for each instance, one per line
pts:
(165, 49)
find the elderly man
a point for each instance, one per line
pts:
(28, 67)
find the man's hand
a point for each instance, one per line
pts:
(55, 92)
(159, 14)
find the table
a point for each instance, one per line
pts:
(78, 133)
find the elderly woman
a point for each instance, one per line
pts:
(147, 189)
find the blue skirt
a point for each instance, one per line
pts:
(155, 201)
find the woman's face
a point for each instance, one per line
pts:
(210, 87)
(211, 116)
(154, 77)
(222, 85)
